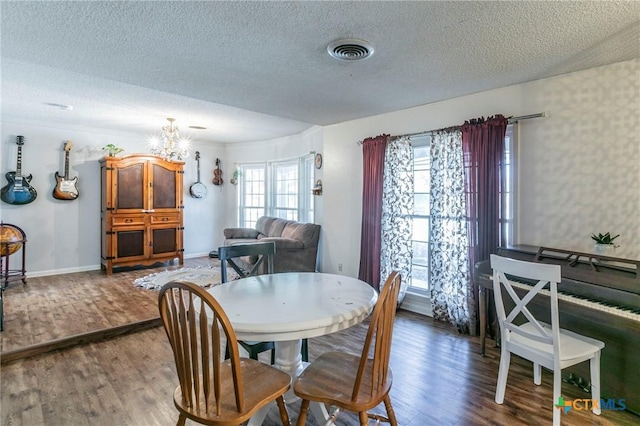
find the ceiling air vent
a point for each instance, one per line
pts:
(350, 49)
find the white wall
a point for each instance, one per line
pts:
(580, 166)
(580, 169)
(203, 217)
(64, 236)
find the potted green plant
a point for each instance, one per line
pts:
(236, 176)
(604, 243)
(112, 149)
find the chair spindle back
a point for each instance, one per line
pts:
(379, 334)
(193, 321)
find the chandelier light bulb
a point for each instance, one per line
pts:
(170, 145)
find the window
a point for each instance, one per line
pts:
(422, 184)
(280, 189)
(420, 240)
(252, 193)
(507, 186)
(307, 178)
(285, 190)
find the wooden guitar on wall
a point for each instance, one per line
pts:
(18, 191)
(217, 174)
(66, 189)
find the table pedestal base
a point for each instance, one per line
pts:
(289, 360)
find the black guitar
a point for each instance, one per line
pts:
(18, 190)
(66, 189)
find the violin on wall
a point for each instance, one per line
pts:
(217, 174)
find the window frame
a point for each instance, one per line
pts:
(508, 195)
(422, 141)
(280, 192)
(271, 206)
(508, 188)
(248, 220)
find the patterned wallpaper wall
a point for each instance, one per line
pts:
(579, 168)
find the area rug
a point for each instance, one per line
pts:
(202, 276)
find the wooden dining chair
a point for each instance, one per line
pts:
(214, 391)
(525, 335)
(263, 253)
(356, 382)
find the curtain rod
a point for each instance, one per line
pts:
(511, 120)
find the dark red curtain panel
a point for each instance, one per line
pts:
(483, 150)
(373, 150)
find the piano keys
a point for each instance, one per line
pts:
(599, 296)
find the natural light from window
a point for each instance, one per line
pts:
(420, 239)
(279, 188)
(422, 183)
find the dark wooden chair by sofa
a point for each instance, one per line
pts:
(262, 252)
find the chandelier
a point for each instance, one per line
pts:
(170, 145)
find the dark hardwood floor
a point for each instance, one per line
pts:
(128, 377)
(55, 311)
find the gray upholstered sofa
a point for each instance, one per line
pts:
(296, 243)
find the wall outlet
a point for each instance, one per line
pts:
(339, 267)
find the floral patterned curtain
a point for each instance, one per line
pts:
(452, 296)
(397, 208)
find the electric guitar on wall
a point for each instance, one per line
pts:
(18, 191)
(66, 189)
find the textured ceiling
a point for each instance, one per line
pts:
(259, 70)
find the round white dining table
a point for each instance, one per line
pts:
(291, 306)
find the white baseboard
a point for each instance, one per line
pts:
(192, 255)
(417, 303)
(50, 272)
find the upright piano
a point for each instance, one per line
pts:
(599, 297)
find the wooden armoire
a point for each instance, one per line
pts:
(141, 213)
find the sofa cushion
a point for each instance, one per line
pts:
(272, 227)
(264, 225)
(304, 232)
(284, 243)
(240, 233)
(276, 227)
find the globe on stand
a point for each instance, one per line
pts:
(11, 239)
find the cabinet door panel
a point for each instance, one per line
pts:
(164, 188)
(130, 187)
(164, 240)
(130, 243)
